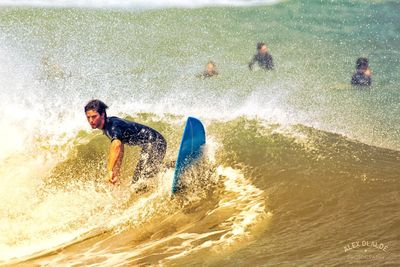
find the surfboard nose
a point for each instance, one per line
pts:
(193, 138)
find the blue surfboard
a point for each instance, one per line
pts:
(194, 137)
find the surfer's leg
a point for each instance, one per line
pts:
(150, 160)
(155, 160)
(140, 166)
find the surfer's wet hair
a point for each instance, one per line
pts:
(96, 105)
(362, 63)
(211, 62)
(260, 45)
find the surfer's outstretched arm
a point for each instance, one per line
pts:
(115, 160)
(252, 62)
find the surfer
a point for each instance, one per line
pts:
(263, 57)
(363, 73)
(209, 71)
(120, 132)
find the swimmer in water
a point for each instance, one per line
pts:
(363, 74)
(209, 71)
(263, 57)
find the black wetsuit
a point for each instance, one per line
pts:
(264, 61)
(205, 74)
(152, 143)
(360, 79)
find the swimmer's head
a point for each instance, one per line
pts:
(210, 66)
(362, 63)
(262, 48)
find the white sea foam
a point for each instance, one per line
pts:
(29, 142)
(242, 196)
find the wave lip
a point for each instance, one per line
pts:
(141, 4)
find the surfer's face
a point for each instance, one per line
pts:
(263, 50)
(95, 120)
(210, 68)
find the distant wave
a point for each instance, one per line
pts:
(134, 4)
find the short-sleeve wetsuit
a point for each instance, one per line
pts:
(264, 61)
(152, 143)
(360, 79)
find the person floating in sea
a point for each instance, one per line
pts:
(53, 71)
(120, 132)
(263, 58)
(363, 73)
(209, 71)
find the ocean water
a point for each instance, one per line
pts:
(300, 168)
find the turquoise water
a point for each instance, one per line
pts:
(299, 163)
